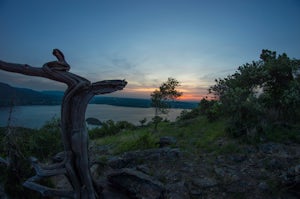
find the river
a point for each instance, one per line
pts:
(36, 116)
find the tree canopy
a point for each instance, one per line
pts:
(159, 98)
(261, 93)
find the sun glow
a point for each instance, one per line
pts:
(189, 92)
(190, 97)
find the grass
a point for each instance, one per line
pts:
(195, 135)
(129, 140)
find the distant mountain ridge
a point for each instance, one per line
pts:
(24, 96)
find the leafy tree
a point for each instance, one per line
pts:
(143, 121)
(110, 128)
(262, 93)
(210, 108)
(159, 98)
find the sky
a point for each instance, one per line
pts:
(145, 41)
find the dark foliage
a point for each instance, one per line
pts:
(260, 96)
(42, 143)
(110, 128)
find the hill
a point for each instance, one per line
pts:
(24, 96)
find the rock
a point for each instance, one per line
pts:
(238, 158)
(134, 158)
(107, 192)
(187, 167)
(263, 186)
(271, 148)
(137, 184)
(239, 187)
(291, 176)
(144, 169)
(167, 141)
(250, 149)
(204, 182)
(228, 174)
(275, 164)
(178, 190)
(220, 171)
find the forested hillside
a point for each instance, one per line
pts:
(23, 96)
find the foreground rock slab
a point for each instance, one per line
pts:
(137, 184)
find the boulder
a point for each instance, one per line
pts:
(134, 158)
(177, 190)
(167, 141)
(291, 176)
(272, 148)
(136, 184)
(204, 182)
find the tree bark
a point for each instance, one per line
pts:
(74, 132)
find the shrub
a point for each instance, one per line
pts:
(18, 145)
(46, 142)
(187, 115)
(110, 128)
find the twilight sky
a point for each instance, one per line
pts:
(146, 41)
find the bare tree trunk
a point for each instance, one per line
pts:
(74, 132)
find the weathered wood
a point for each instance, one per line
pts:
(74, 132)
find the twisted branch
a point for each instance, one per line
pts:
(74, 133)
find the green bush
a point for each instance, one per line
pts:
(19, 145)
(110, 128)
(187, 115)
(47, 141)
(259, 95)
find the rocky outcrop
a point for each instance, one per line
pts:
(136, 184)
(134, 158)
(167, 141)
(269, 170)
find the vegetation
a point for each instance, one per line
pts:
(18, 144)
(261, 97)
(193, 135)
(159, 98)
(109, 128)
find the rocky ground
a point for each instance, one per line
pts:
(268, 170)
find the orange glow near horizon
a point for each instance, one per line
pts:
(142, 90)
(190, 97)
(188, 94)
(194, 97)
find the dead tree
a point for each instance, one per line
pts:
(75, 165)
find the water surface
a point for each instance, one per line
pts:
(36, 116)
